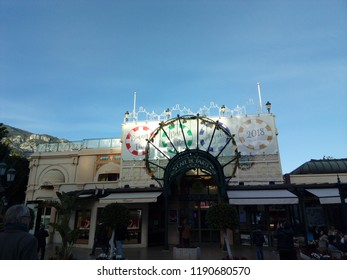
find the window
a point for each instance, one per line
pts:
(134, 227)
(45, 216)
(108, 177)
(83, 225)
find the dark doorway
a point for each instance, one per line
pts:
(192, 194)
(156, 221)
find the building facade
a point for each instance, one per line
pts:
(167, 169)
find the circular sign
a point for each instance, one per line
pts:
(219, 140)
(177, 140)
(255, 134)
(135, 140)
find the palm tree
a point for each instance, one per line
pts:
(65, 207)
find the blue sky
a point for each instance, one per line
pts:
(69, 68)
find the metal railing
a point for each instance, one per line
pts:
(79, 145)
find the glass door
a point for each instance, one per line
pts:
(201, 233)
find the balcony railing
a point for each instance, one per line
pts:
(79, 145)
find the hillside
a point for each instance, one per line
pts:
(24, 142)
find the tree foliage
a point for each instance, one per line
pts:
(4, 147)
(116, 215)
(222, 216)
(65, 207)
(16, 192)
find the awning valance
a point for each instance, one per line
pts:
(261, 197)
(326, 196)
(133, 197)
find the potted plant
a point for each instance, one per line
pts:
(184, 250)
(223, 216)
(115, 216)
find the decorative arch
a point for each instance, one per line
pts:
(52, 176)
(194, 159)
(188, 142)
(108, 168)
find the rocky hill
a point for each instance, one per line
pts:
(24, 143)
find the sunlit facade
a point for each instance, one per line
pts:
(165, 169)
(207, 156)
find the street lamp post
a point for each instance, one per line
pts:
(168, 113)
(268, 106)
(126, 116)
(222, 109)
(5, 184)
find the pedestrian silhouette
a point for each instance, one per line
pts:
(41, 235)
(16, 243)
(285, 241)
(101, 238)
(258, 241)
(121, 233)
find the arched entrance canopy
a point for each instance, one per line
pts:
(186, 143)
(194, 159)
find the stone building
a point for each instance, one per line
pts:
(165, 169)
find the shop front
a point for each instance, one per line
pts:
(262, 208)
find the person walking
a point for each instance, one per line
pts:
(258, 241)
(41, 235)
(101, 239)
(16, 243)
(285, 241)
(121, 233)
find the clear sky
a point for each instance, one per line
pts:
(69, 68)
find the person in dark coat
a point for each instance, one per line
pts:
(258, 241)
(343, 243)
(41, 235)
(16, 243)
(285, 241)
(101, 238)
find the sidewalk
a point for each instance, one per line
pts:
(208, 252)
